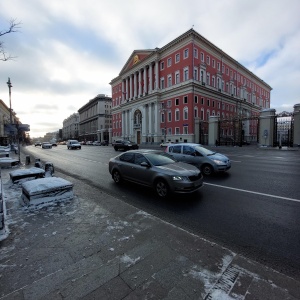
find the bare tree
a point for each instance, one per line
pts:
(13, 27)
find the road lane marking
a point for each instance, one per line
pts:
(251, 192)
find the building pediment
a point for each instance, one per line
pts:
(135, 58)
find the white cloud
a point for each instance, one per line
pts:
(69, 51)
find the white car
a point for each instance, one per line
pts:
(166, 144)
(46, 145)
(73, 144)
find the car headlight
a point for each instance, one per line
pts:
(177, 178)
(218, 162)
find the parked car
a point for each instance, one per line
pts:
(38, 144)
(54, 144)
(73, 144)
(46, 145)
(195, 154)
(156, 169)
(125, 145)
(96, 143)
(89, 143)
(165, 144)
(104, 143)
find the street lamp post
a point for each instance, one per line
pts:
(10, 111)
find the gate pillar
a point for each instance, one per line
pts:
(296, 125)
(213, 129)
(267, 127)
(197, 130)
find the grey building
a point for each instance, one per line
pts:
(70, 127)
(95, 119)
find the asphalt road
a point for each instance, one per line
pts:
(253, 209)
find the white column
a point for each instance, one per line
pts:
(145, 81)
(130, 132)
(150, 79)
(123, 123)
(150, 112)
(135, 84)
(156, 76)
(130, 86)
(123, 91)
(144, 121)
(156, 119)
(140, 83)
(127, 88)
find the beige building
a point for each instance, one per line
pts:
(70, 128)
(95, 119)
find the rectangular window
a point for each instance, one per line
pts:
(177, 78)
(176, 101)
(169, 62)
(185, 130)
(169, 116)
(169, 103)
(185, 114)
(177, 131)
(208, 102)
(202, 56)
(195, 53)
(162, 83)
(162, 118)
(177, 58)
(162, 65)
(207, 60)
(186, 74)
(213, 63)
(169, 81)
(186, 53)
(177, 116)
(218, 66)
(195, 74)
(196, 99)
(169, 131)
(185, 100)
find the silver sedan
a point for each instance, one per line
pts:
(156, 169)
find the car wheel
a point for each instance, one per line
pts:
(161, 188)
(116, 149)
(207, 169)
(117, 177)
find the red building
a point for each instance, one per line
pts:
(170, 93)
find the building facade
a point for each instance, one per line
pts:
(70, 128)
(7, 132)
(95, 119)
(168, 93)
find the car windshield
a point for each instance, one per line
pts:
(204, 151)
(160, 159)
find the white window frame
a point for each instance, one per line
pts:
(177, 114)
(195, 52)
(185, 130)
(185, 113)
(177, 58)
(185, 53)
(169, 80)
(169, 62)
(177, 77)
(186, 73)
(177, 131)
(162, 65)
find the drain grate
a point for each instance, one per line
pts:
(225, 282)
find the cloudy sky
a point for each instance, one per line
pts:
(67, 51)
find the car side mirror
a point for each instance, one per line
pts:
(145, 164)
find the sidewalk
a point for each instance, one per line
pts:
(98, 247)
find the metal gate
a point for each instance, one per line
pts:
(238, 131)
(283, 131)
(203, 133)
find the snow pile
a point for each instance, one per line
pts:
(44, 190)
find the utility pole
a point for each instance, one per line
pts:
(10, 111)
